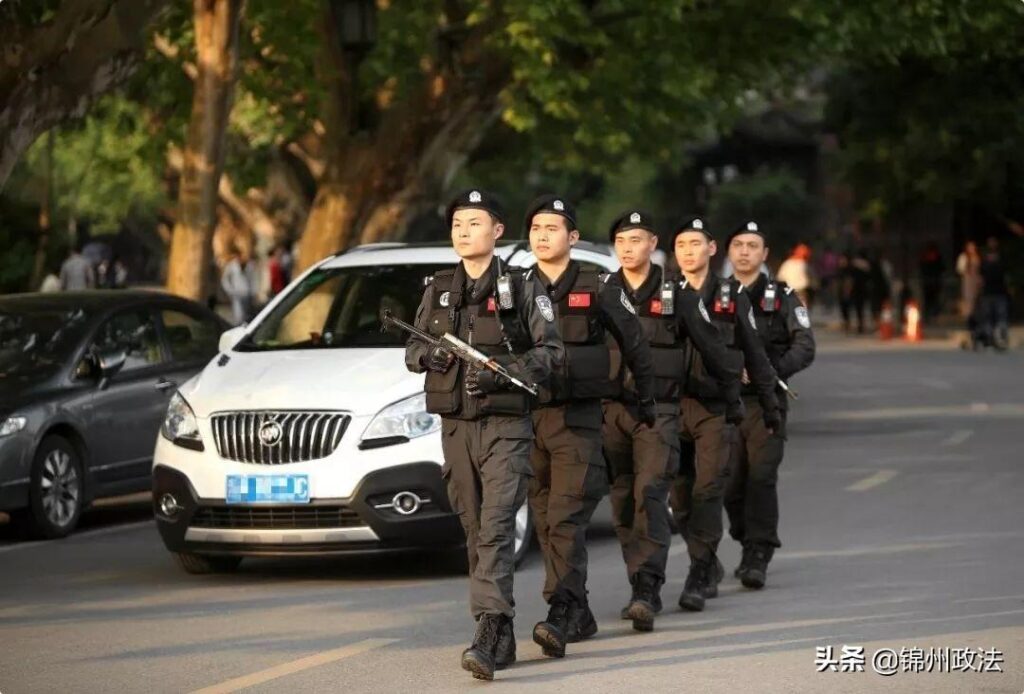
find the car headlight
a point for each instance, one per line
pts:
(406, 419)
(180, 426)
(12, 425)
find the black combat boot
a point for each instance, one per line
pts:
(696, 587)
(744, 561)
(717, 574)
(551, 634)
(505, 653)
(646, 601)
(582, 624)
(479, 658)
(756, 574)
(624, 613)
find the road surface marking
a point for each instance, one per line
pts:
(973, 409)
(958, 437)
(872, 481)
(78, 536)
(994, 598)
(864, 551)
(294, 666)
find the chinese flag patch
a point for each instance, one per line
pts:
(491, 306)
(579, 300)
(656, 307)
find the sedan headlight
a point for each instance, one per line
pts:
(404, 420)
(12, 425)
(180, 426)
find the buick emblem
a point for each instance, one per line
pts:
(271, 433)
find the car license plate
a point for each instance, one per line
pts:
(255, 489)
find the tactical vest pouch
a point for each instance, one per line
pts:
(507, 402)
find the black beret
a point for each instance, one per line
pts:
(475, 199)
(746, 228)
(553, 204)
(631, 219)
(693, 224)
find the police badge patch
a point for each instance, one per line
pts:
(475, 196)
(444, 299)
(625, 302)
(634, 218)
(544, 304)
(703, 311)
(750, 317)
(801, 317)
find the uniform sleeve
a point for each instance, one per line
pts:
(755, 359)
(548, 353)
(800, 352)
(624, 326)
(416, 350)
(704, 336)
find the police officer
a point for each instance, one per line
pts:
(644, 459)
(568, 464)
(709, 408)
(486, 427)
(751, 497)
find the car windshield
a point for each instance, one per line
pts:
(38, 339)
(341, 307)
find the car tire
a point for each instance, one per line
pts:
(56, 491)
(523, 532)
(205, 564)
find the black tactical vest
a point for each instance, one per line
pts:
(720, 303)
(586, 373)
(657, 315)
(496, 333)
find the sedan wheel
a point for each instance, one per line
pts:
(56, 489)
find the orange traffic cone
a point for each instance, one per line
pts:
(885, 321)
(912, 319)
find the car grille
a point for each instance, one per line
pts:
(276, 438)
(275, 518)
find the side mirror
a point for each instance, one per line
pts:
(108, 364)
(230, 338)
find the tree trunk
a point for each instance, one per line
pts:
(45, 219)
(53, 71)
(216, 28)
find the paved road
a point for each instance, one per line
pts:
(903, 525)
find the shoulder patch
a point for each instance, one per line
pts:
(703, 310)
(625, 302)
(750, 317)
(444, 299)
(802, 317)
(546, 310)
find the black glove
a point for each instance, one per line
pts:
(734, 412)
(440, 360)
(772, 420)
(648, 411)
(482, 381)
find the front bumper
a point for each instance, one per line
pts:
(363, 521)
(15, 462)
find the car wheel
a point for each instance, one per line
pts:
(206, 564)
(55, 490)
(523, 532)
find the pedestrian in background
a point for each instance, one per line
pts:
(795, 271)
(77, 273)
(968, 267)
(994, 302)
(239, 283)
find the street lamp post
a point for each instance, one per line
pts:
(355, 24)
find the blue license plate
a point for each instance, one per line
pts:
(255, 489)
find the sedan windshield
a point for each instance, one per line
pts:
(342, 308)
(36, 339)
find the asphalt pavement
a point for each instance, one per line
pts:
(902, 526)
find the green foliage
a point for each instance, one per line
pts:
(105, 168)
(777, 200)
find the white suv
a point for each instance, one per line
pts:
(306, 434)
